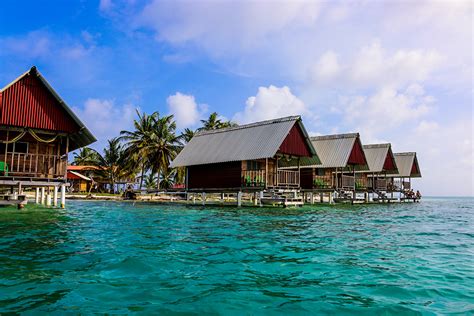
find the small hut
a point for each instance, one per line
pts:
(381, 162)
(37, 131)
(340, 157)
(408, 168)
(246, 157)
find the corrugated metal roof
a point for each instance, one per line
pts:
(405, 163)
(246, 142)
(81, 138)
(376, 155)
(333, 152)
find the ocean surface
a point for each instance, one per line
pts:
(121, 258)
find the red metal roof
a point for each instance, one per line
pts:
(28, 103)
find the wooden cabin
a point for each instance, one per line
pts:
(340, 157)
(408, 168)
(37, 131)
(246, 157)
(381, 162)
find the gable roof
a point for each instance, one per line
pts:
(376, 154)
(405, 163)
(334, 151)
(82, 137)
(245, 142)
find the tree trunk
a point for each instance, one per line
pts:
(158, 180)
(141, 179)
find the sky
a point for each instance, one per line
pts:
(394, 71)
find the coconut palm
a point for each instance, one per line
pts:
(188, 134)
(85, 156)
(213, 122)
(110, 164)
(168, 179)
(164, 145)
(138, 142)
(150, 181)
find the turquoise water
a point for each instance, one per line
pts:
(106, 257)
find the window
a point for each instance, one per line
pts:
(253, 165)
(320, 172)
(20, 147)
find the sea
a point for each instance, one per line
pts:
(98, 257)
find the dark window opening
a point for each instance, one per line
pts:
(253, 165)
(20, 147)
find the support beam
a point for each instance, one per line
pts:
(239, 199)
(63, 196)
(55, 196)
(48, 199)
(43, 196)
(37, 195)
(203, 198)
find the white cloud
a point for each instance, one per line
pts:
(269, 103)
(386, 110)
(105, 119)
(327, 67)
(185, 109)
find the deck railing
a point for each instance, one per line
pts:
(406, 185)
(34, 165)
(381, 184)
(253, 178)
(322, 182)
(288, 178)
(347, 182)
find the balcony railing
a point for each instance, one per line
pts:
(347, 182)
(288, 178)
(33, 165)
(361, 183)
(253, 178)
(381, 184)
(322, 182)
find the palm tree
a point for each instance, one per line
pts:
(168, 178)
(150, 181)
(110, 164)
(85, 156)
(213, 122)
(164, 145)
(138, 142)
(188, 134)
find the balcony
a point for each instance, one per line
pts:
(282, 178)
(347, 182)
(33, 165)
(322, 182)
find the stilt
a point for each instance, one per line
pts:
(194, 198)
(48, 198)
(55, 196)
(239, 199)
(321, 197)
(255, 199)
(37, 195)
(366, 197)
(331, 201)
(203, 198)
(260, 198)
(43, 197)
(63, 196)
(222, 197)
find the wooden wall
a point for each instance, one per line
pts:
(215, 176)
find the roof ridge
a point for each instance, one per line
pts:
(335, 136)
(250, 125)
(382, 145)
(408, 153)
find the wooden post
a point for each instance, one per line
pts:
(37, 195)
(331, 201)
(203, 198)
(55, 196)
(239, 199)
(266, 173)
(48, 198)
(194, 198)
(260, 198)
(321, 197)
(43, 197)
(255, 199)
(63, 196)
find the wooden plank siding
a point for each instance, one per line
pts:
(215, 176)
(295, 144)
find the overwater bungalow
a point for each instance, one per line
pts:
(340, 157)
(37, 131)
(381, 162)
(246, 157)
(408, 168)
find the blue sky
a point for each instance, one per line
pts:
(396, 71)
